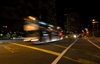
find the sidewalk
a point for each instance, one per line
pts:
(96, 38)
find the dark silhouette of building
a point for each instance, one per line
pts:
(47, 11)
(72, 21)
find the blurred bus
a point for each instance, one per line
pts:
(39, 32)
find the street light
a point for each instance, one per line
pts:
(93, 22)
(58, 27)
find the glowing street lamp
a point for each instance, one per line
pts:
(58, 27)
(93, 22)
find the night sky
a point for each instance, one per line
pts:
(15, 10)
(87, 14)
(88, 10)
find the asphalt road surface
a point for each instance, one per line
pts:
(67, 51)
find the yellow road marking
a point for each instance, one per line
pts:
(59, 46)
(39, 49)
(70, 59)
(98, 40)
(43, 50)
(9, 49)
(94, 55)
(53, 53)
(83, 61)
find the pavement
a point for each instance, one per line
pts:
(67, 51)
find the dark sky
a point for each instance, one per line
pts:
(87, 14)
(87, 9)
(16, 10)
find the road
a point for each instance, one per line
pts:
(67, 51)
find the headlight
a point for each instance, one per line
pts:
(75, 36)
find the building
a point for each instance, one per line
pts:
(72, 21)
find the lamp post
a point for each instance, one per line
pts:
(67, 26)
(93, 22)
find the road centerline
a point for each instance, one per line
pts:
(39, 49)
(61, 55)
(43, 50)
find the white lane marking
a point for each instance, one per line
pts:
(94, 44)
(60, 56)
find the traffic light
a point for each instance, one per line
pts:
(87, 32)
(60, 34)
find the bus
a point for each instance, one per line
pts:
(37, 31)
